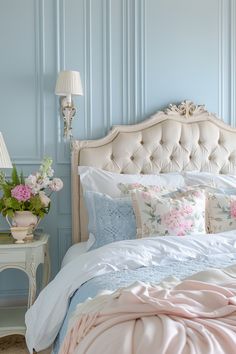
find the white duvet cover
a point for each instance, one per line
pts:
(74, 251)
(45, 317)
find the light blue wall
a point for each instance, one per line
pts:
(135, 57)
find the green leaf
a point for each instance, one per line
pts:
(10, 213)
(7, 190)
(2, 179)
(35, 205)
(22, 179)
(1, 204)
(41, 214)
(14, 176)
(12, 203)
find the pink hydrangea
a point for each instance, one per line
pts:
(21, 192)
(233, 209)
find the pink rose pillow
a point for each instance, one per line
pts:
(163, 215)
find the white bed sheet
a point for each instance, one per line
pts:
(45, 317)
(73, 252)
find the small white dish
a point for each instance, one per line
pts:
(19, 233)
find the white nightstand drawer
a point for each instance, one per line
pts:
(14, 256)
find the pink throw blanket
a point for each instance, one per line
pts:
(193, 317)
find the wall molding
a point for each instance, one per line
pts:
(233, 63)
(133, 61)
(140, 59)
(227, 61)
(224, 58)
(62, 148)
(39, 49)
(136, 59)
(124, 55)
(143, 85)
(64, 242)
(88, 66)
(128, 60)
(107, 72)
(221, 58)
(61, 199)
(133, 65)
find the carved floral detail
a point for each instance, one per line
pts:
(186, 109)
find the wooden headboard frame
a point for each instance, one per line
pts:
(183, 137)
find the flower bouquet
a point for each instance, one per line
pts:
(27, 200)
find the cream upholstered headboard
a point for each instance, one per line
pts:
(182, 138)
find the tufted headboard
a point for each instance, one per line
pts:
(182, 138)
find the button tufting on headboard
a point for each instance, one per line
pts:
(182, 138)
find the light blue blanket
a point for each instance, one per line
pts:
(154, 274)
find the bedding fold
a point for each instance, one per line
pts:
(192, 317)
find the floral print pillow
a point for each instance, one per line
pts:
(221, 212)
(163, 215)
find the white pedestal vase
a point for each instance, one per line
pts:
(24, 219)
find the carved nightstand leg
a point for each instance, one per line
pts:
(46, 268)
(32, 284)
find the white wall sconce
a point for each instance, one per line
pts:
(68, 84)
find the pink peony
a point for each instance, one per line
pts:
(21, 192)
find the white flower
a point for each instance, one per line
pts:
(56, 184)
(45, 167)
(35, 189)
(44, 199)
(43, 182)
(50, 172)
(31, 181)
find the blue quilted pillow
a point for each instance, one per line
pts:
(110, 219)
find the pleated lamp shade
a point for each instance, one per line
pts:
(68, 83)
(5, 161)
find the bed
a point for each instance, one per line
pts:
(177, 144)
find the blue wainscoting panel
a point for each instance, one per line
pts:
(134, 56)
(20, 72)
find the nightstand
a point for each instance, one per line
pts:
(26, 257)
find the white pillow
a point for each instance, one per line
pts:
(98, 180)
(210, 179)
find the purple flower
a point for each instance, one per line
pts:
(21, 192)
